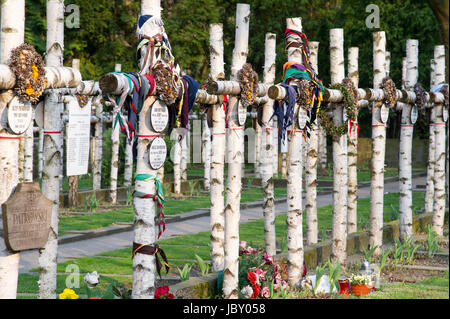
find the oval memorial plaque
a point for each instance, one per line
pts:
(414, 114)
(157, 153)
(384, 114)
(302, 116)
(445, 114)
(242, 113)
(19, 116)
(26, 218)
(159, 116)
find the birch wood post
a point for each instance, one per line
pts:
(144, 267)
(98, 148)
(387, 63)
(177, 137)
(312, 161)
(52, 150)
(340, 186)
(21, 158)
(114, 156)
(128, 170)
(405, 144)
(294, 218)
(206, 152)
(184, 155)
(275, 147)
(352, 211)
(28, 153)
(40, 153)
(11, 35)
(235, 160)
(378, 146)
(73, 180)
(257, 164)
(284, 156)
(217, 221)
(267, 148)
(321, 133)
(429, 192)
(440, 132)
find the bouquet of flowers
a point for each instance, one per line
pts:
(259, 276)
(359, 279)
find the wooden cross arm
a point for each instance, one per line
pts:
(57, 77)
(278, 92)
(203, 97)
(232, 88)
(113, 83)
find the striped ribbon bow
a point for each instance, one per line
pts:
(158, 198)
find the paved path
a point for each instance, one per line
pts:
(89, 247)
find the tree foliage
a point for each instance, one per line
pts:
(107, 33)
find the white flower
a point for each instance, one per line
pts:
(247, 291)
(91, 279)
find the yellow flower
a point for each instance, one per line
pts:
(68, 294)
(35, 73)
(29, 91)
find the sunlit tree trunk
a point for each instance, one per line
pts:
(429, 192)
(235, 161)
(267, 149)
(405, 144)
(340, 179)
(13, 21)
(440, 195)
(378, 146)
(312, 161)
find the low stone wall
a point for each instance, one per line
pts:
(205, 287)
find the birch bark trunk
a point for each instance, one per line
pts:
(144, 267)
(312, 161)
(275, 147)
(340, 186)
(114, 156)
(429, 193)
(177, 162)
(128, 172)
(352, 210)
(40, 153)
(52, 150)
(257, 164)
(405, 145)
(294, 218)
(98, 145)
(378, 147)
(217, 221)
(184, 155)
(21, 158)
(266, 168)
(235, 161)
(440, 135)
(12, 19)
(206, 153)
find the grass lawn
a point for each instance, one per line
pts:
(181, 250)
(432, 288)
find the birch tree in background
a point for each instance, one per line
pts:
(114, 156)
(429, 192)
(312, 161)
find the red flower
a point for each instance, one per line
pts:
(161, 292)
(252, 277)
(256, 291)
(170, 296)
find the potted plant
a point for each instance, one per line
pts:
(359, 284)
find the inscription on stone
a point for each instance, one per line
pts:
(159, 116)
(26, 218)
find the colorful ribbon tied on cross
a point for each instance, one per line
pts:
(158, 198)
